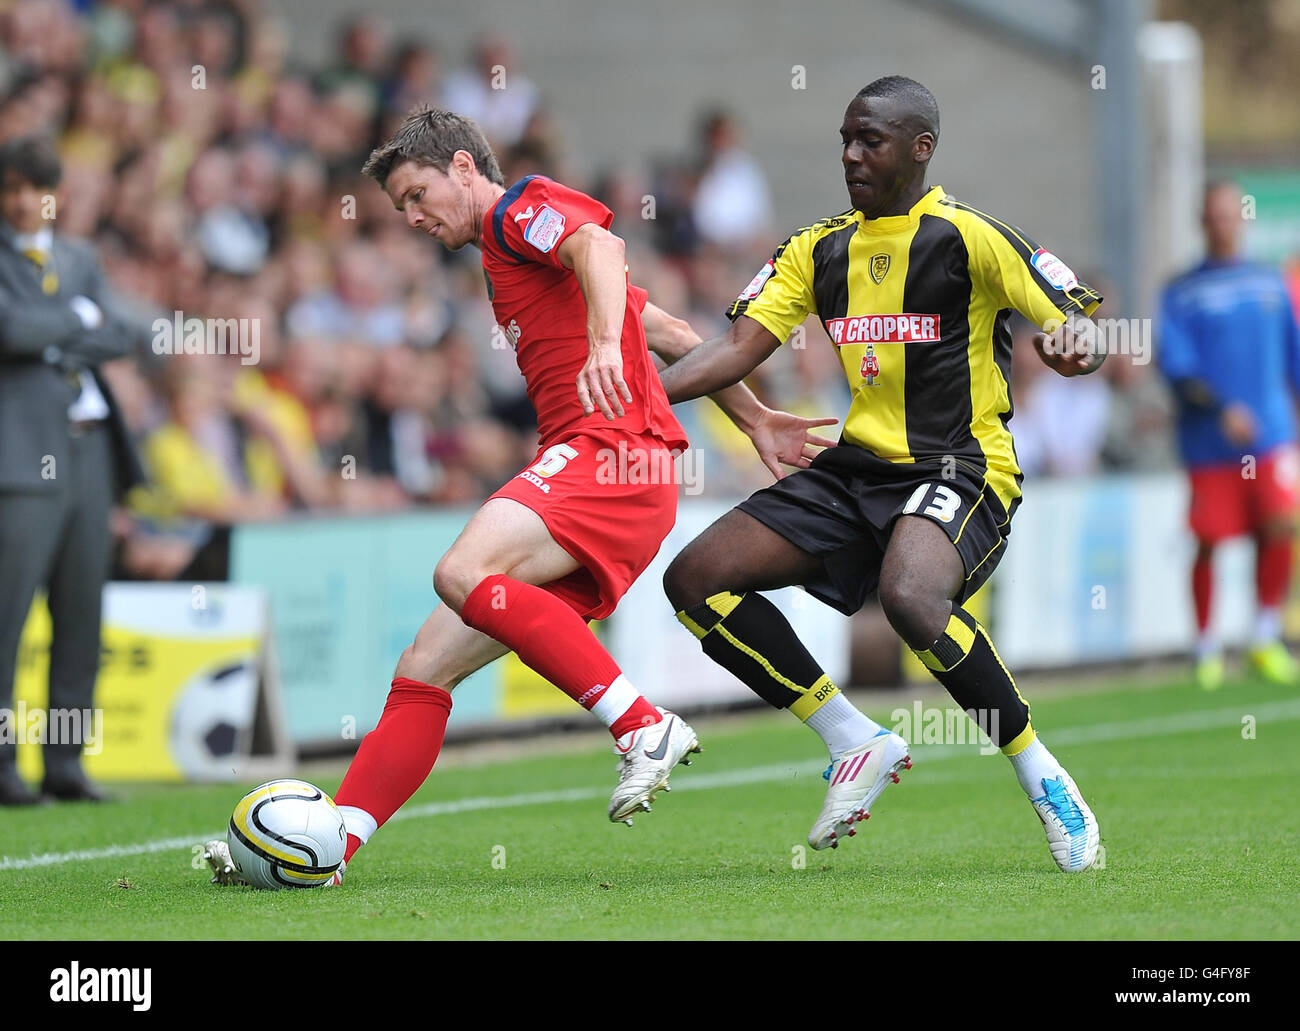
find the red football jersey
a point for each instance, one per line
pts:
(540, 308)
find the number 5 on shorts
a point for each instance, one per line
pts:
(553, 459)
(943, 506)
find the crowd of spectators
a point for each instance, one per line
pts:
(220, 179)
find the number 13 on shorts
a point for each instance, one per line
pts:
(944, 502)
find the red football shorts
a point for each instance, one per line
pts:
(608, 498)
(1227, 503)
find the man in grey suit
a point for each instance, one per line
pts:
(63, 448)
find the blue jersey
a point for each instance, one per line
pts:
(1229, 326)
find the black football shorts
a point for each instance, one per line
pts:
(842, 510)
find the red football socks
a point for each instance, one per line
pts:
(1272, 570)
(395, 758)
(554, 641)
(1203, 589)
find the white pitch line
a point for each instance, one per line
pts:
(108, 852)
(1151, 726)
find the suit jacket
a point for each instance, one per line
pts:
(43, 346)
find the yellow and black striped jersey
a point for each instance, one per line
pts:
(917, 307)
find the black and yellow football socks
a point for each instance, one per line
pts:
(964, 660)
(747, 635)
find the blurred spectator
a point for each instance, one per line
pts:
(234, 190)
(415, 78)
(232, 238)
(493, 92)
(732, 206)
(360, 306)
(1059, 424)
(216, 456)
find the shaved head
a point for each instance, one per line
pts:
(912, 104)
(888, 136)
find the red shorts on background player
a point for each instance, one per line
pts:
(1226, 502)
(1234, 500)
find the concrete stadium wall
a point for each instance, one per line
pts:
(626, 81)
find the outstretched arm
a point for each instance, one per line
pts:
(720, 362)
(779, 437)
(672, 339)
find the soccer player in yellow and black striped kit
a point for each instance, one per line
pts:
(914, 289)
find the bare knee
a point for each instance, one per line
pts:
(455, 577)
(690, 578)
(918, 610)
(409, 664)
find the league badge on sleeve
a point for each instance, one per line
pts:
(1054, 270)
(756, 284)
(544, 228)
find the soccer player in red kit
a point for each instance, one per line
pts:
(560, 543)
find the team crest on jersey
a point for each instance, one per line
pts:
(544, 228)
(879, 266)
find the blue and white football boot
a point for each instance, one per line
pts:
(1072, 832)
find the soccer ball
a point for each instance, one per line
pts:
(286, 834)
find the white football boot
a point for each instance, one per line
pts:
(857, 779)
(1072, 832)
(647, 756)
(216, 854)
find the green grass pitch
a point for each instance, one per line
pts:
(1199, 825)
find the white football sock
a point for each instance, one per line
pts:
(1207, 646)
(1033, 764)
(617, 699)
(357, 822)
(1268, 625)
(841, 725)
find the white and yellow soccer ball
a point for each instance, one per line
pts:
(286, 834)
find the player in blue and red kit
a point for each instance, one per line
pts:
(1230, 348)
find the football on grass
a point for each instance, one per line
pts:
(286, 834)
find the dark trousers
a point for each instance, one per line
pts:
(58, 538)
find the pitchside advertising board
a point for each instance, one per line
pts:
(1099, 570)
(347, 595)
(187, 688)
(209, 681)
